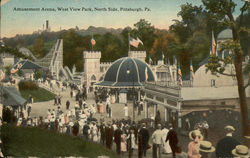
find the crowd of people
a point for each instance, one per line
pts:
(128, 137)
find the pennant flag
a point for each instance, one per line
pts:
(134, 42)
(213, 44)
(92, 41)
(146, 74)
(150, 60)
(179, 75)
(174, 60)
(191, 71)
(162, 55)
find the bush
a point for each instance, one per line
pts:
(8, 116)
(27, 85)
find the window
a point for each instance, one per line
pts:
(212, 83)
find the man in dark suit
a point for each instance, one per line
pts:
(227, 144)
(117, 139)
(109, 136)
(144, 133)
(173, 140)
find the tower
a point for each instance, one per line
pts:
(91, 68)
(141, 55)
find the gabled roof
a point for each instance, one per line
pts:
(27, 64)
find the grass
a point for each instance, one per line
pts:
(29, 141)
(38, 95)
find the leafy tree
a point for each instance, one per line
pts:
(7, 70)
(224, 10)
(20, 73)
(165, 43)
(146, 32)
(37, 74)
(39, 47)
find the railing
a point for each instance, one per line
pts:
(170, 88)
(188, 83)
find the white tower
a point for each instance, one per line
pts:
(141, 55)
(91, 68)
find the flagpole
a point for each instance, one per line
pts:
(128, 42)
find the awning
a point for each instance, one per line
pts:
(11, 97)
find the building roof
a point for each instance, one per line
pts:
(11, 97)
(27, 64)
(117, 76)
(225, 34)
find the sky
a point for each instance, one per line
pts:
(160, 14)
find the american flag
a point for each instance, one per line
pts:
(179, 75)
(135, 42)
(191, 71)
(213, 44)
(92, 41)
(14, 70)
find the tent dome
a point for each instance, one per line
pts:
(127, 72)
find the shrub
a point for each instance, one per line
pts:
(27, 85)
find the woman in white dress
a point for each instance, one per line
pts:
(166, 146)
(126, 110)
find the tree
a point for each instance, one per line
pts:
(223, 10)
(20, 73)
(146, 32)
(39, 47)
(37, 74)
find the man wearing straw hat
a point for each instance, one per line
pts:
(227, 144)
(241, 151)
(206, 149)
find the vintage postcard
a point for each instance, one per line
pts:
(125, 78)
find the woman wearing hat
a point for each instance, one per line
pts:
(193, 146)
(206, 149)
(241, 151)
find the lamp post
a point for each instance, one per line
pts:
(128, 72)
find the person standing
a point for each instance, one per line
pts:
(109, 136)
(225, 146)
(194, 145)
(102, 131)
(101, 107)
(166, 146)
(59, 99)
(145, 138)
(173, 140)
(80, 103)
(123, 143)
(86, 131)
(126, 110)
(157, 142)
(67, 104)
(55, 100)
